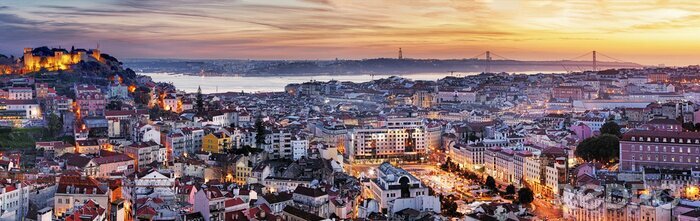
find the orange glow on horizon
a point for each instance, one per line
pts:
(647, 31)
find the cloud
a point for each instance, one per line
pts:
(338, 28)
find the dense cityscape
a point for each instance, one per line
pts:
(83, 138)
(336, 110)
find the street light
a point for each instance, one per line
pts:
(692, 191)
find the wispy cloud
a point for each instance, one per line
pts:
(355, 29)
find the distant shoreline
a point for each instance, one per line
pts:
(385, 67)
(221, 84)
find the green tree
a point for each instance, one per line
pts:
(142, 95)
(525, 195)
(449, 206)
(200, 101)
(472, 136)
(490, 183)
(604, 148)
(154, 113)
(689, 126)
(510, 189)
(260, 132)
(54, 125)
(114, 105)
(447, 165)
(610, 127)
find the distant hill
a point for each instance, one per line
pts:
(366, 66)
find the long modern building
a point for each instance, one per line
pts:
(399, 139)
(659, 149)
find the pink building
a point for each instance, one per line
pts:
(659, 149)
(582, 131)
(112, 162)
(91, 104)
(568, 92)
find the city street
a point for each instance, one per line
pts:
(445, 183)
(544, 209)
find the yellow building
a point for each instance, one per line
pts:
(243, 169)
(216, 142)
(60, 59)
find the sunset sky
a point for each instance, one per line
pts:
(647, 32)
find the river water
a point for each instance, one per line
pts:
(220, 84)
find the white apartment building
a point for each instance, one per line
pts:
(146, 133)
(240, 136)
(498, 163)
(175, 145)
(508, 165)
(533, 171)
(278, 143)
(14, 201)
(21, 93)
(555, 174)
(25, 109)
(146, 153)
(300, 147)
(469, 157)
(392, 183)
(192, 138)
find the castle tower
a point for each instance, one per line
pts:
(58, 60)
(96, 54)
(28, 59)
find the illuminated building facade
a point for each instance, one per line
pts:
(397, 138)
(659, 149)
(56, 59)
(91, 104)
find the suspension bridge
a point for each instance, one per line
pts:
(589, 61)
(577, 63)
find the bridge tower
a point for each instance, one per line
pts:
(595, 65)
(488, 61)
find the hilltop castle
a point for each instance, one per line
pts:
(56, 58)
